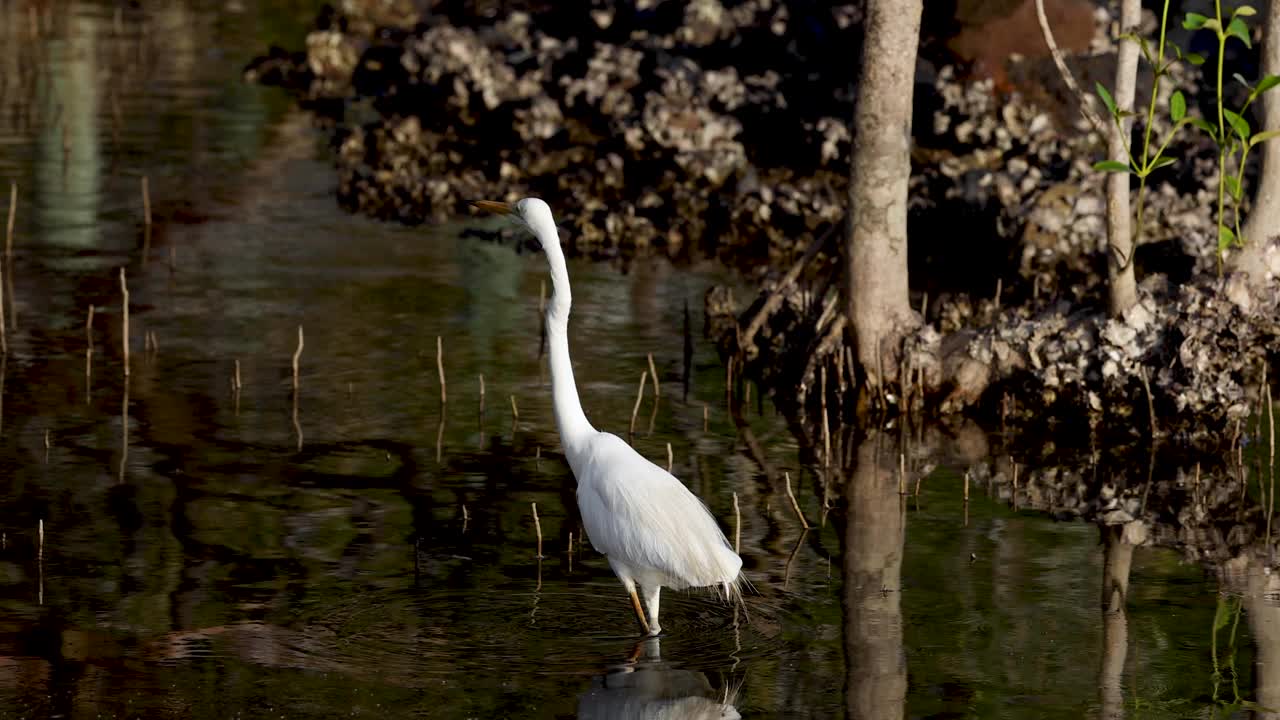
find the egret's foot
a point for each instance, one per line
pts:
(635, 601)
(653, 630)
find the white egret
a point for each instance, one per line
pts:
(653, 531)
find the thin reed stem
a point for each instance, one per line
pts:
(444, 394)
(124, 342)
(537, 528)
(235, 388)
(297, 355)
(635, 409)
(1151, 405)
(13, 215)
(4, 335)
(40, 562)
(6, 270)
(146, 201)
(794, 504)
(737, 525)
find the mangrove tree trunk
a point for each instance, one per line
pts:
(1263, 222)
(875, 277)
(1123, 289)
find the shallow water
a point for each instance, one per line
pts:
(368, 550)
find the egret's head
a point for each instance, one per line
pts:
(531, 213)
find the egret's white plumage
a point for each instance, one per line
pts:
(646, 522)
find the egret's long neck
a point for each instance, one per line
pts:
(572, 422)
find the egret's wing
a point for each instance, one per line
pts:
(638, 513)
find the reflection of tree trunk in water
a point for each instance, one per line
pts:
(1263, 615)
(1115, 623)
(875, 666)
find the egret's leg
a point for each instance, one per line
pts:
(624, 576)
(651, 599)
(635, 601)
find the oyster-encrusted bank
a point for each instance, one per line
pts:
(662, 126)
(721, 128)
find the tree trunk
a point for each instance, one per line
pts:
(875, 278)
(1263, 222)
(1120, 246)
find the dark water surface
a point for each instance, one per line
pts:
(367, 551)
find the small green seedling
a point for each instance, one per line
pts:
(1231, 133)
(1148, 160)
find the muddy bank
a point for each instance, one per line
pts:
(1188, 363)
(666, 127)
(646, 125)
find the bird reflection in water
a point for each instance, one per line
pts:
(646, 688)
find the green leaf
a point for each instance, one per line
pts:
(1240, 79)
(1238, 29)
(1162, 161)
(1195, 59)
(1226, 239)
(1111, 166)
(1239, 124)
(1266, 84)
(1245, 11)
(1194, 21)
(1106, 98)
(1205, 125)
(1263, 136)
(1233, 186)
(1177, 106)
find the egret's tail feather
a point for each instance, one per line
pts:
(733, 592)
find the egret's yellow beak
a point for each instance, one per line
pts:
(491, 206)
